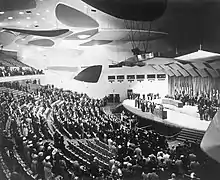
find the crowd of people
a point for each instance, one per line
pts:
(24, 85)
(31, 122)
(18, 71)
(207, 107)
(147, 153)
(145, 103)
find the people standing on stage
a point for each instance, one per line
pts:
(138, 102)
(207, 106)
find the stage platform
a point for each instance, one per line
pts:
(185, 117)
(189, 110)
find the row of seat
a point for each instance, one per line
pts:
(11, 62)
(79, 154)
(98, 148)
(75, 152)
(68, 161)
(88, 155)
(4, 168)
(13, 91)
(101, 144)
(27, 170)
(100, 156)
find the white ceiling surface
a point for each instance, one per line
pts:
(69, 53)
(44, 15)
(45, 18)
(71, 57)
(199, 55)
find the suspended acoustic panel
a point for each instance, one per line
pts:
(169, 72)
(16, 5)
(42, 42)
(187, 66)
(45, 33)
(174, 66)
(199, 65)
(6, 37)
(192, 72)
(63, 68)
(73, 17)
(165, 67)
(82, 35)
(157, 67)
(90, 74)
(212, 72)
(138, 10)
(175, 72)
(125, 35)
(215, 65)
(21, 42)
(183, 72)
(202, 72)
(95, 43)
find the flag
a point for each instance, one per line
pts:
(211, 141)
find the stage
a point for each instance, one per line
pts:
(186, 117)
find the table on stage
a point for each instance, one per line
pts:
(173, 102)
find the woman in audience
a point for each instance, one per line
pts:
(53, 115)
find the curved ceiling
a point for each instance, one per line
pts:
(46, 33)
(188, 24)
(82, 35)
(6, 37)
(15, 5)
(128, 35)
(42, 42)
(73, 17)
(138, 10)
(96, 43)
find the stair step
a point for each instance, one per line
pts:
(192, 135)
(190, 138)
(183, 139)
(193, 131)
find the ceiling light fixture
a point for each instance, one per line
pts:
(19, 22)
(47, 10)
(38, 14)
(43, 18)
(28, 18)
(1, 12)
(83, 36)
(10, 17)
(21, 13)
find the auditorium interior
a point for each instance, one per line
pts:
(109, 90)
